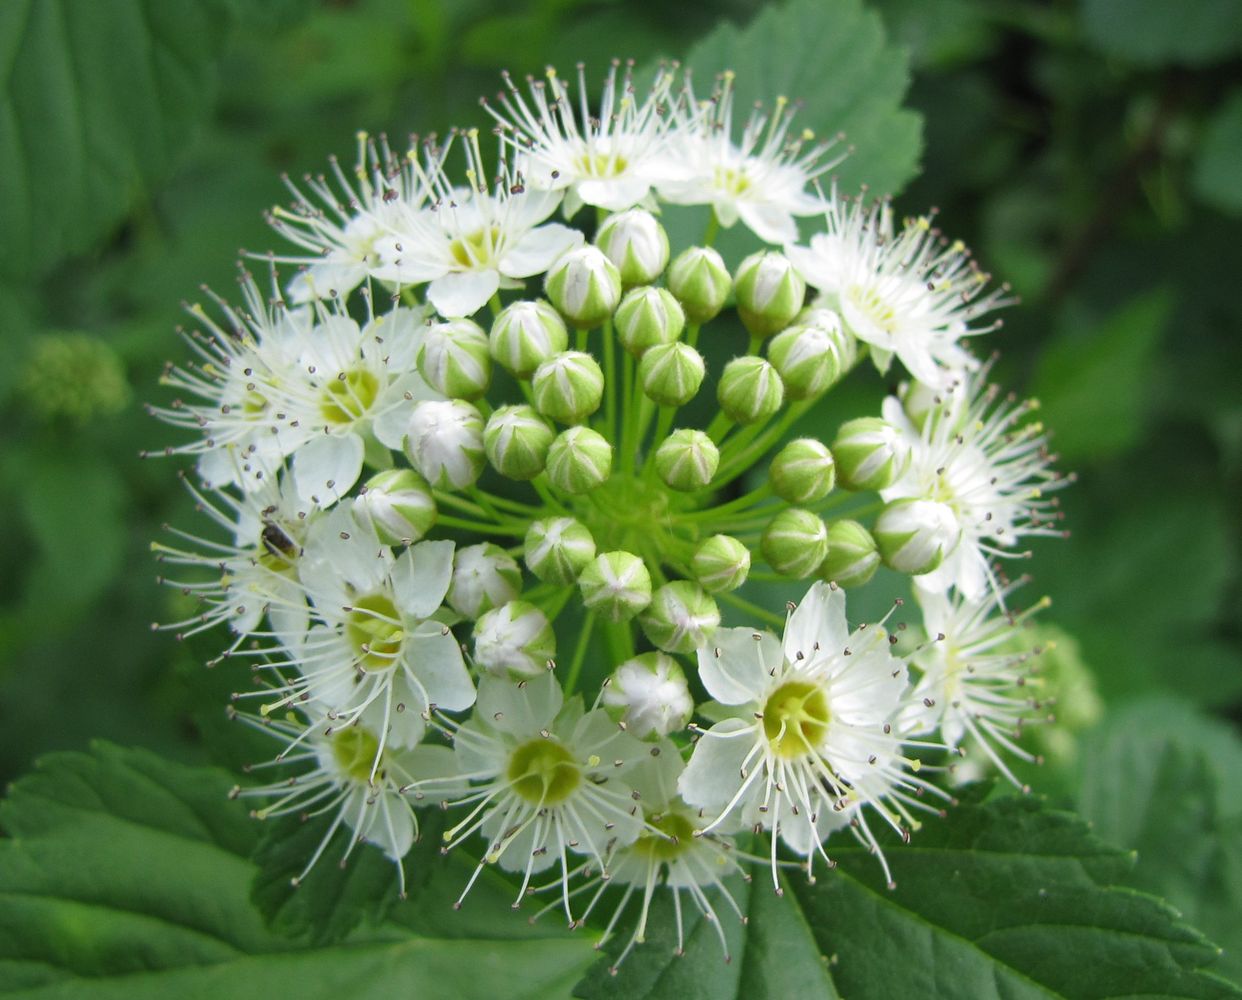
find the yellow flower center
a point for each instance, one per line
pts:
(355, 750)
(475, 248)
(349, 396)
(675, 836)
(796, 717)
(374, 627)
(544, 772)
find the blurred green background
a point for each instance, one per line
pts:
(1090, 151)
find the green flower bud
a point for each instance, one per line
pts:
(769, 292)
(701, 282)
(484, 577)
(515, 639)
(870, 454)
(721, 563)
(568, 387)
(454, 359)
(680, 617)
(398, 505)
(585, 286)
(749, 390)
(648, 317)
(636, 243)
(525, 335)
(649, 695)
(803, 471)
(444, 441)
(615, 585)
(671, 373)
(914, 536)
(557, 548)
(853, 556)
(74, 377)
(811, 355)
(687, 460)
(579, 460)
(795, 542)
(919, 401)
(517, 440)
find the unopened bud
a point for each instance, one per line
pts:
(795, 542)
(517, 440)
(680, 617)
(853, 556)
(769, 292)
(515, 638)
(615, 585)
(803, 471)
(525, 335)
(648, 317)
(650, 695)
(914, 536)
(749, 390)
(636, 243)
(812, 355)
(454, 359)
(721, 563)
(557, 548)
(568, 387)
(869, 453)
(579, 460)
(398, 505)
(671, 373)
(484, 577)
(585, 286)
(701, 282)
(687, 460)
(444, 440)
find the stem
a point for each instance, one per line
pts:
(494, 304)
(580, 651)
(756, 342)
(719, 427)
(610, 381)
(713, 228)
(510, 531)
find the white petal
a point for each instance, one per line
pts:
(421, 577)
(518, 711)
(713, 775)
(326, 467)
(771, 223)
(615, 195)
(462, 293)
(818, 624)
(814, 263)
(434, 657)
(539, 249)
(734, 668)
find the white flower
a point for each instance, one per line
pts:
(469, 244)
(909, 293)
(342, 226)
(761, 178)
(811, 744)
(374, 653)
(357, 782)
(976, 682)
(976, 454)
(668, 853)
(548, 781)
(609, 159)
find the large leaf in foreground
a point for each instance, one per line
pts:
(128, 877)
(1010, 899)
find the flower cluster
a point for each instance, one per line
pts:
(477, 551)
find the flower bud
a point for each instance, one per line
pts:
(869, 453)
(557, 548)
(795, 542)
(853, 556)
(585, 287)
(568, 387)
(919, 401)
(454, 359)
(914, 536)
(636, 243)
(680, 617)
(803, 471)
(444, 441)
(649, 694)
(811, 355)
(721, 563)
(769, 292)
(517, 440)
(749, 390)
(398, 505)
(648, 317)
(671, 373)
(484, 577)
(579, 460)
(687, 460)
(615, 585)
(701, 282)
(515, 638)
(525, 335)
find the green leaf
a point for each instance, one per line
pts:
(127, 876)
(1009, 899)
(1219, 163)
(1156, 32)
(836, 60)
(1088, 422)
(1161, 777)
(98, 101)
